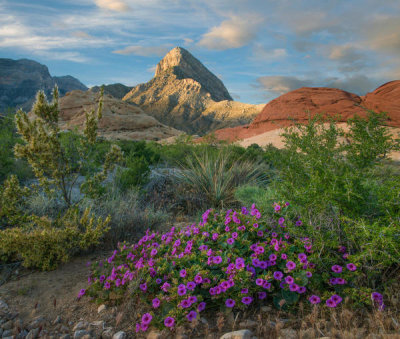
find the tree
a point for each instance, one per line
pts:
(57, 164)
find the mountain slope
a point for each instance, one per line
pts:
(21, 79)
(186, 95)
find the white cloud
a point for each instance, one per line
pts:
(279, 85)
(144, 50)
(113, 5)
(262, 54)
(81, 34)
(233, 33)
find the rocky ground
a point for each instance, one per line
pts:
(44, 305)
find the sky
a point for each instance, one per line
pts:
(260, 49)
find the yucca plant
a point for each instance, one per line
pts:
(216, 175)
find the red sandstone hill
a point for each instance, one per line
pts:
(297, 105)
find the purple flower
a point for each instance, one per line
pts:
(230, 302)
(289, 279)
(337, 268)
(158, 281)
(239, 263)
(143, 287)
(165, 287)
(314, 299)
(308, 274)
(278, 275)
(146, 318)
(247, 300)
(192, 299)
(301, 289)
(293, 287)
(336, 298)
(169, 322)
(244, 290)
(290, 265)
(81, 293)
(262, 295)
(156, 302)
(234, 235)
(191, 316)
(351, 267)
(299, 223)
(230, 241)
(217, 259)
(259, 281)
(102, 278)
(215, 236)
(153, 252)
(182, 273)
(198, 279)
(330, 303)
(284, 256)
(107, 285)
(281, 220)
(201, 306)
(181, 289)
(185, 303)
(377, 296)
(191, 285)
(277, 208)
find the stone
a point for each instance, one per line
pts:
(309, 333)
(242, 334)
(3, 306)
(36, 323)
(266, 309)
(7, 333)
(119, 335)
(33, 333)
(87, 336)
(81, 325)
(65, 336)
(107, 334)
(97, 324)
(80, 334)
(7, 325)
(22, 335)
(101, 308)
(1, 331)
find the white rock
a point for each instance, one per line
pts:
(101, 308)
(80, 334)
(242, 334)
(119, 335)
(82, 325)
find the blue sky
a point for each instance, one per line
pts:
(259, 48)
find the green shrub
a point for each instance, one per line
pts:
(43, 243)
(215, 175)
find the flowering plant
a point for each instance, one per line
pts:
(226, 261)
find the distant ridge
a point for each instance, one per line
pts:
(21, 79)
(184, 94)
(116, 90)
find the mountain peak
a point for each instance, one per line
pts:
(184, 65)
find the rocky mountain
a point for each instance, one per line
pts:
(186, 95)
(297, 105)
(21, 79)
(116, 90)
(120, 120)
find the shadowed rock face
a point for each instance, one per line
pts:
(120, 120)
(186, 95)
(116, 90)
(301, 103)
(21, 79)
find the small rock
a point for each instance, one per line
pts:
(65, 336)
(154, 335)
(64, 329)
(8, 325)
(80, 334)
(57, 320)
(266, 309)
(3, 306)
(18, 324)
(33, 333)
(98, 323)
(10, 337)
(87, 336)
(107, 334)
(242, 334)
(7, 333)
(1, 331)
(119, 335)
(204, 321)
(37, 322)
(22, 334)
(287, 333)
(309, 333)
(82, 325)
(181, 336)
(248, 323)
(101, 308)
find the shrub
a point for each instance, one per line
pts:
(216, 176)
(228, 261)
(44, 243)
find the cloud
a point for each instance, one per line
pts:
(113, 5)
(349, 58)
(233, 33)
(152, 69)
(188, 41)
(144, 50)
(278, 85)
(81, 34)
(262, 54)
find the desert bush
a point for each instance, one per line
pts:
(129, 215)
(215, 175)
(56, 160)
(229, 260)
(44, 243)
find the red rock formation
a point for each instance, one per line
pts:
(297, 105)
